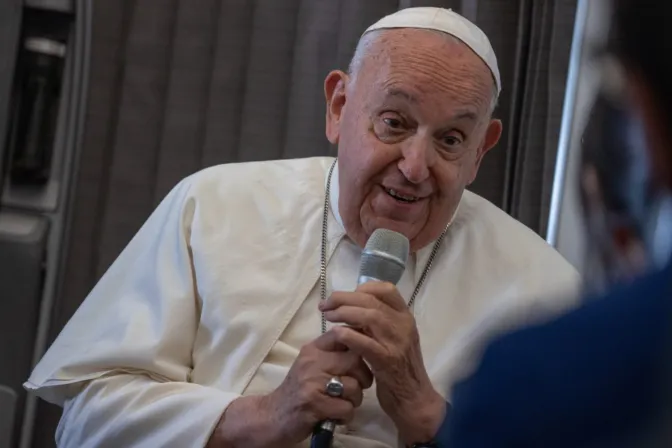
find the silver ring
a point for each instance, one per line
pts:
(335, 387)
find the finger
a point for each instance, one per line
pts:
(362, 373)
(354, 316)
(385, 292)
(349, 364)
(352, 390)
(360, 344)
(349, 298)
(338, 409)
(328, 342)
(344, 363)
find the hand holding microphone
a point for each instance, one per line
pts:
(383, 263)
(302, 402)
(287, 416)
(381, 329)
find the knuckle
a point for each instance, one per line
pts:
(388, 358)
(350, 383)
(303, 396)
(304, 406)
(388, 288)
(307, 394)
(370, 316)
(358, 372)
(340, 332)
(362, 377)
(335, 298)
(364, 287)
(350, 359)
(302, 363)
(306, 349)
(334, 315)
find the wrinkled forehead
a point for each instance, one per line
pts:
(423, 66)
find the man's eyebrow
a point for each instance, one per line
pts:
(400, 93)
(465, 115)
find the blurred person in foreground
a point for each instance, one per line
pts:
(211, 328)
(599, 376)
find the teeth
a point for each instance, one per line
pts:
(401, 196)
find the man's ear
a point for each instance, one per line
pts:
(334, 92)
(492, 135)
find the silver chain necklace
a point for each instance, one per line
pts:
(323, 252)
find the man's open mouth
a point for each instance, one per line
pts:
(401, 197)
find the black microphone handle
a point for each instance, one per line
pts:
(323, 435)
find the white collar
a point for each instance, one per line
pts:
(333, 196)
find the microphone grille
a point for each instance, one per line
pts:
(384, 256)
(390, 242)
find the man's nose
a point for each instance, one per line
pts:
(417, 158)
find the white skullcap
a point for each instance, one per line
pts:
(449, 22)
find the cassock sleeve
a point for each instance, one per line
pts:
(121, 366)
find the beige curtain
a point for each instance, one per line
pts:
(178, 85)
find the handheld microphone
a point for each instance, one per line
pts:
(383, 260)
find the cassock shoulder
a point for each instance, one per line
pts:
(279, 178)
(505, 233)
(257, 199)
(509, 239)
(511, 252)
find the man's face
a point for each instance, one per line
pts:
(412, 127)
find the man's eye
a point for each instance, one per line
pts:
(393, 123)
(452, 141)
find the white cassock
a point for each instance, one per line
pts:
(215, 295)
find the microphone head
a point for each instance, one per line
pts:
(384, 257)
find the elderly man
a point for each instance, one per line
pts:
(212, 328)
